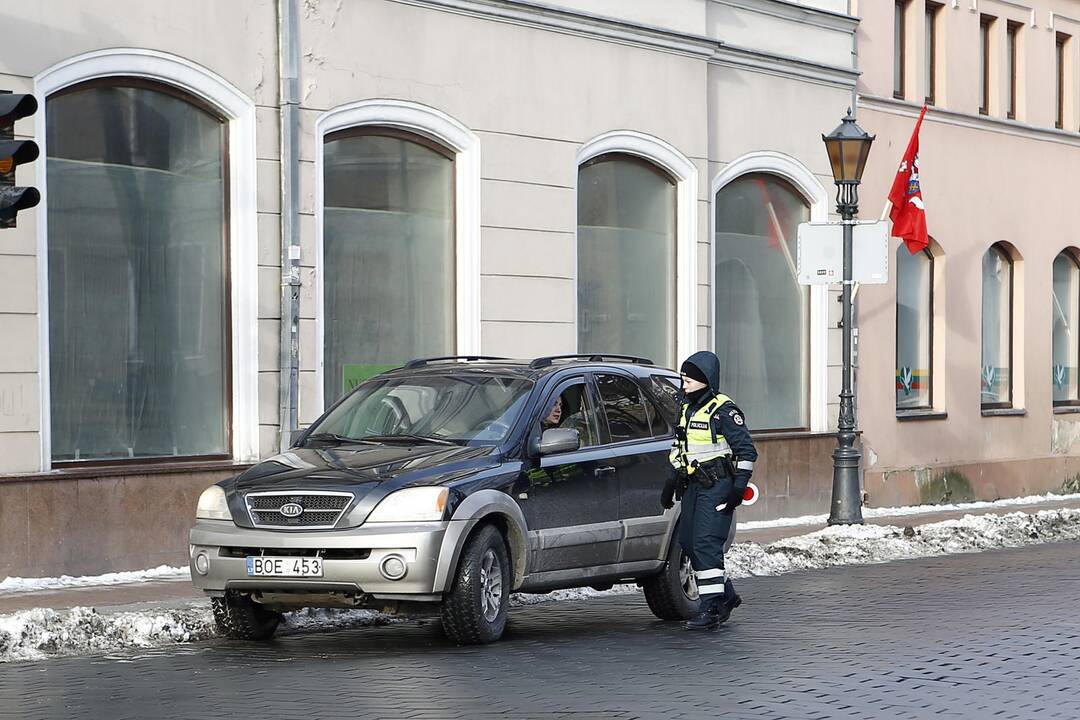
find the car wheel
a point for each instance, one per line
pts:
(673, 593)
(474, 611)
(241, 618)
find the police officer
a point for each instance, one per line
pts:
(713, 458)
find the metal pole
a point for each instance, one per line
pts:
(846, 495)
(289, 106)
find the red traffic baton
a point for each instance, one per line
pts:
(750, 494)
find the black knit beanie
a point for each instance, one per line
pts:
(692, 371)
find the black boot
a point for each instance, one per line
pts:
(706, 620)
(724, 611)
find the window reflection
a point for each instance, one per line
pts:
(626, 258)
(388, 254)
(138, 313)
(914, 318)
(996, 371)
(1065, 297)
(762, 313)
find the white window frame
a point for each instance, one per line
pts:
(239, 113)
(663, 155)
(817, 197)
(445, 130)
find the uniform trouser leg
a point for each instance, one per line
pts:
(703, 533)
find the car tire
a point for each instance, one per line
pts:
(241, 618)
(672, 594)
(474, 611)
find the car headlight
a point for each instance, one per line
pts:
(411, 505)
(212, 505)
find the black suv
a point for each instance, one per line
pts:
(448, 483)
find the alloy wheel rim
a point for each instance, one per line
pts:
(687, 579)
(491, 585)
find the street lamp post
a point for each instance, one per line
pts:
(848, 147)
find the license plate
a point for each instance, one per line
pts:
(284, 567)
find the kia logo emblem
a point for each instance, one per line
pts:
(291, 510)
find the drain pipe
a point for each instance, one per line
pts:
(289, 107)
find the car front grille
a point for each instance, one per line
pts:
(317, 510)
(325, 553)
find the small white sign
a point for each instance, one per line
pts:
(821, 253)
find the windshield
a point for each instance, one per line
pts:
(463, 409)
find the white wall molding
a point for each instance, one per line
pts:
(445, 130)
(576, 22)
(684, 171)
(817, 197)
(239, 113)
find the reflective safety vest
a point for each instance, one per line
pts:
(701, 442)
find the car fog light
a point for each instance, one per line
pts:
(202, 563)
(393, 567)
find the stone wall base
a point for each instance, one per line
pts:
(92, 522)
(965, 482)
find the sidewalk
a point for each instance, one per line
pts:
(175, 592)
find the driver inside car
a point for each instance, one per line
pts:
(560, 417)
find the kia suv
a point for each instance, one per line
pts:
(448, 483)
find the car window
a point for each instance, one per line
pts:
(467, 408)
(668, 395)
(627, 416)
(659, 424)
(572, 409)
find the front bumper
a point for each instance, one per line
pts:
(226, 547)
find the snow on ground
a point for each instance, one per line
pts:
(34, 634)
(162, 572)
(862, 544)
(40, 633)
(872, 512)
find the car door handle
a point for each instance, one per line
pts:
(602, 471)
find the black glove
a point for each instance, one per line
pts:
(667, 497)
(682, 481)
(735, 497)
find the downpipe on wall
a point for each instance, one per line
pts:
(289, 109)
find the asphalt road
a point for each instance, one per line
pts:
(985, 635)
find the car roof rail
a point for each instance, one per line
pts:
(421, 362)
(542, 362)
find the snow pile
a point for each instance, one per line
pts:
(330, 618)
(862, 544)
(872, 512)
(39, 633)
(34, 634)
(162, 572)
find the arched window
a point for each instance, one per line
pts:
(762, 314)
(1066, 340)
(137, 273)
(914, 329)
(388, 253)
(997, 337)
(626, 258)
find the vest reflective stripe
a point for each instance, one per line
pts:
(700, 445)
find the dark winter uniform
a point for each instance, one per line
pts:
(716, 451)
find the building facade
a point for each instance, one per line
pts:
(249, 207)
(968, 357)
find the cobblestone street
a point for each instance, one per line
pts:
(989, 634)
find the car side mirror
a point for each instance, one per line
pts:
(559, 440)
(294, 435)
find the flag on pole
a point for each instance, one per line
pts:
(908, 213)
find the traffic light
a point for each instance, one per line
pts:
(12, 154)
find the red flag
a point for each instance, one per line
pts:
(908, 213)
